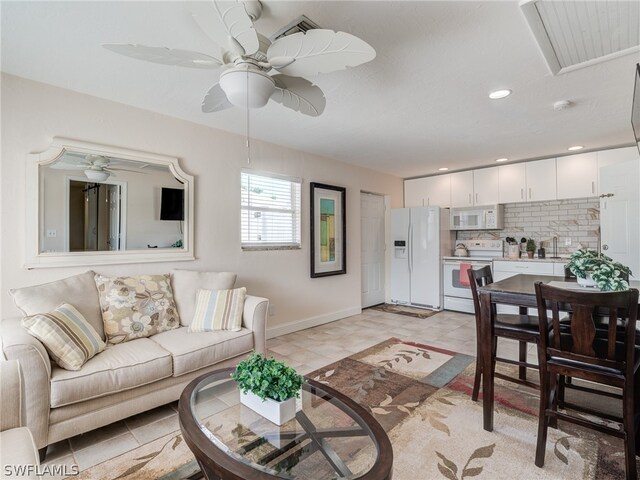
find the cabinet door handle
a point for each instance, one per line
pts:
(469, 199)
(593, 187)
(530, 193)
(476, 198)
(522, 194)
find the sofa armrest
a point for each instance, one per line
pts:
(254, 317)
(12, 404)
(34, 361)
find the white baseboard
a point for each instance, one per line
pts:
(311, 322)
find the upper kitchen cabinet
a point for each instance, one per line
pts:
(541, 180)
(428, 191)
(486, 186)
(577, 176)
(616, 155)
(462, 189)
(512, 183)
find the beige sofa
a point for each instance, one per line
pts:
(18, 453)
(127, 378)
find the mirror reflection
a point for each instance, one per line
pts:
(93, 203)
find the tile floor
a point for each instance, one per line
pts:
(306, 351)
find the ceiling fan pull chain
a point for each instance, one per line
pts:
(248, 137)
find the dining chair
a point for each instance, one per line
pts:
(522, 327)
(581, 352)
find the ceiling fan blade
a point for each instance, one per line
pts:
(318, 51)
(298, 94)
(221, 20)
(164, 55)
(69, 166)
(120, 169)
(215, 100)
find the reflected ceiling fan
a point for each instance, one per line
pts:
(97, 168)
(253, 70)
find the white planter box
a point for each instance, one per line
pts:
(276, 412)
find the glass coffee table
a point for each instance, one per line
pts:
(332, 437)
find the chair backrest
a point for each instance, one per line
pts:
(478, 278)
(579, 342)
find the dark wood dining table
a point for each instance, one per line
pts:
(518, 290)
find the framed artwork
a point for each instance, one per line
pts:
(328, 230)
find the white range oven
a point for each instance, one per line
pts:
(457, 295)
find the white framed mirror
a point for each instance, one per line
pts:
(90, 204)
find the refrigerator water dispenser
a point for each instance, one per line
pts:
(400, 248)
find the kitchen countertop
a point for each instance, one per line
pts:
(535, 259)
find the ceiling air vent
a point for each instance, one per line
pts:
(300, 24)
(575, 34)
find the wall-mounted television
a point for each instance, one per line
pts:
(635, 109)
(172, 204)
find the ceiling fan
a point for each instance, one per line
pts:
(252, 69)
(97, 168)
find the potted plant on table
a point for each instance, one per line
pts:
(531, 247)
(268, 387)
(594, 269)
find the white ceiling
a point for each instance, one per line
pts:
(420, 105)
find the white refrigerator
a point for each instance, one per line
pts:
(420, 237)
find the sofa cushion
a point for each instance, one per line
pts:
(137, 306)
(186, 284)
(192, 351)
(219, 310)
(67, 336)
(119, 367)
(79, 290)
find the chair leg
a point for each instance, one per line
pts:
(553, 399)
(522, 357)
(542, 419)
(630, 432)
(478, 377)
(42, 453)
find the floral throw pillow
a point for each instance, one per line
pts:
(135, 307)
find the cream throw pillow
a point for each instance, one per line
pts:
(219, 310)
(136, 307)
(66, 334)
(186, 284)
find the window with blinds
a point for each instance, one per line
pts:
(270, 215)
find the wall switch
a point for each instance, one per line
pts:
(51, 233)
(567, 242)
(272, 310)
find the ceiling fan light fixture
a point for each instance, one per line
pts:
(96, 175)
(234, 84)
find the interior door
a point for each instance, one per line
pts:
(372, 248)
(620, 213)
(424, 255)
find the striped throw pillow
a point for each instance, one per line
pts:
(218, 310)
(67, 336)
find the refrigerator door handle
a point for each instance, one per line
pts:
(410, 245)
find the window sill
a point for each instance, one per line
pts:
(254, 248)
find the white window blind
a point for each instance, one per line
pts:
(270, 215)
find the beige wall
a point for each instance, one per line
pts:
(33, 113)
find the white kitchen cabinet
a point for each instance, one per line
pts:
(414, 192)
(506, 269)
(577, 176)
(617, 155)
(428, 191)
(558, 269)
(462, 189)
(486, 186)
(541, 180)
(512, 181)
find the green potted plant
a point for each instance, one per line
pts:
(531, 247)
(268, 387)
(594, 269)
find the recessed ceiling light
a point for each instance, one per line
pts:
(496, 94)
(575, 147)
(443, 169)
(501, 159)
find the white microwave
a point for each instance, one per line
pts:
(477, 218)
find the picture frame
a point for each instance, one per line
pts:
(328, 230)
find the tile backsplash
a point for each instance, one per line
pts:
(576, 221)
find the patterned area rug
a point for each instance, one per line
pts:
(403, 310)
(421, 397)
